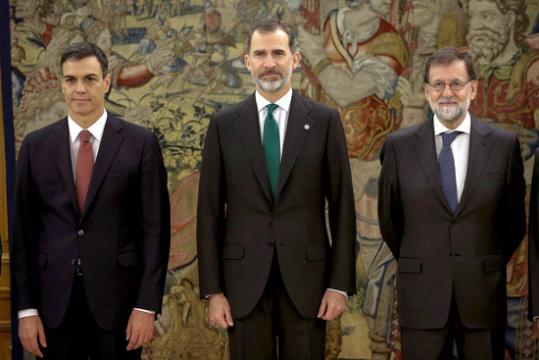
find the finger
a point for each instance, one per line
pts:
(330, 312)
(132, 340)
(41, 335)
(128, 330)
(323, 307)
(228, 317)
(34, 347)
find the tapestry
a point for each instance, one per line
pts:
(176, 62)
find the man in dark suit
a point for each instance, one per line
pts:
(91, 241)
(533, 249)
(451, 209)
(266, 261)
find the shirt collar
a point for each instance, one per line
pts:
(283, 102)
(464, 127)
(96, 129)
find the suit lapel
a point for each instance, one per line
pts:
(248, 129)
(63, 160)
(477, 159)
(298, 130)
(110, 143)
(426, 152)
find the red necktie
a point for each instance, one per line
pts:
(85, 164)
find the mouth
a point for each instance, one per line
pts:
(272, 75)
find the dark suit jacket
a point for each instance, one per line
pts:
(533, 245)
(240, 226)
(122, 235)
(439, 253)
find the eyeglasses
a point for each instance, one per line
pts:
(455, 85)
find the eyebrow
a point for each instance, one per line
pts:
(83, 76)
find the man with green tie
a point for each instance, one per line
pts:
(271, 272)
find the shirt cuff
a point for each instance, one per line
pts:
(27, 313)
(145, 311)
(535, 318)
(343, 293)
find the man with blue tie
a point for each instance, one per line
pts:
(451, 209)
(270, 270)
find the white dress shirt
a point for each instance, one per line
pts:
(280, 114)
(460, 147)
(96, 129)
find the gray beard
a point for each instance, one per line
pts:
(270, 86)
(486, 44)
(450, 114)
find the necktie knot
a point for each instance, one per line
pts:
(448, 137)
(84, 136)
(271, 108)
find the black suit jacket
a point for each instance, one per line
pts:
(122, 236)
(439, 252)
(241, 227)
(533, 246)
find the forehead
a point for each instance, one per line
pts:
(82, 67)
(277, 39)
(455, 70)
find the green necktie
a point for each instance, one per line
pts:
(272, 148)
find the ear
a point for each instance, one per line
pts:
(107, 81)
(296, 59)
(247, 61)
(474, 85)
(426, 90)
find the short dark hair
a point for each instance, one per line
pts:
(446, 56)
(269, 26)
(84, 49)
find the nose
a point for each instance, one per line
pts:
(447, 92)
(79, 87)
(269, 62)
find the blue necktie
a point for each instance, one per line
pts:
(272, 148)
(446, 163)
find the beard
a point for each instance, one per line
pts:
(487, 44)
(450, 113)
(271, 86)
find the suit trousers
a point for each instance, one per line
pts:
(275, 329)
(80, 338)
(435, 344)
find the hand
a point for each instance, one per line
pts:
(219, 311)
(536, 327)
(333, 304)
(140, 329)
(30, 330)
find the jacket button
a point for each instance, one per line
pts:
(80, 232)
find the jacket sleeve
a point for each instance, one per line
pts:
(514, 205)
(389, 207)
(210, 214)
(341, 210)
(23, 245)
(155, 226)
(533, 246)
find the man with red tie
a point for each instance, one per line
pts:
(92, 229)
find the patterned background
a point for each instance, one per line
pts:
(175, 62)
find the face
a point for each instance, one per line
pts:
(490, 30)
(271, 62)
(450, 106)
(84, 88)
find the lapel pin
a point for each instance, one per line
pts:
(306, 127)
